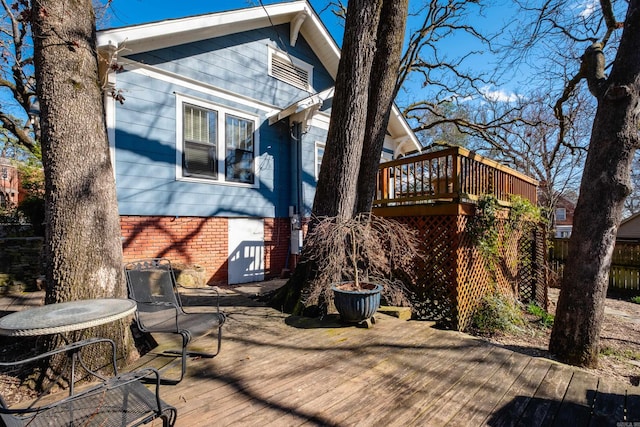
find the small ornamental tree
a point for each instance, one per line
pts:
(359, 250)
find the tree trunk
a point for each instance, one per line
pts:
(83, 249)
(364, 92)
(605, 185)
(383, 87)
(338, 180)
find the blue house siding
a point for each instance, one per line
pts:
(146, 159)
(239, 63)
(308, 166)
(146, 128)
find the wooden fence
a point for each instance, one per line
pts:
(625, 265)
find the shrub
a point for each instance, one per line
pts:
(33, 210)
(496, 313)
(546, 319)
(636, 299)
(366, 248)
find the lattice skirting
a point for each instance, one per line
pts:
(454, 276)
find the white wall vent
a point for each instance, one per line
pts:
(290, 70)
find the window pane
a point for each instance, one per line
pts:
(239, 140)
(319, 156)
(199, 150)
(200, 160)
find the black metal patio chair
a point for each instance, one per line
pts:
(118, 400)
(153, 286)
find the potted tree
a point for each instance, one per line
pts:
(359, 261)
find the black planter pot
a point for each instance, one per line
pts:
(357, 306)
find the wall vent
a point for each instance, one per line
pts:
(290, 70)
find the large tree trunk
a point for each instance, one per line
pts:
(364, 92)
(383, 87)
(83, 248)
(605, 185)
(338, 180)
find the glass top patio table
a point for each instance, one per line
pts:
(65, 316)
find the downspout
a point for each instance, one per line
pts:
(297, 202)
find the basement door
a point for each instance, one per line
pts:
(246, 250)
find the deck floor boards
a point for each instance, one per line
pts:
(278, 370)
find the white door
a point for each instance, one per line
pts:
(246, 250)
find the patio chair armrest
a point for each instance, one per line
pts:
(122, 399)
(213, 289)
(75, 347)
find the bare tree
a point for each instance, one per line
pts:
(632, 203)
(17, 82)
(372, 28)
(337, 181)
(604, 187)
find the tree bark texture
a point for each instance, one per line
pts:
(604, 187)
(382, 91)
(338, 179)
(364, 92)
(83, 249)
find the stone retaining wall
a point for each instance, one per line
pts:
(21, 263)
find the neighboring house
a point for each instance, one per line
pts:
(10, 194)
(563, 217)
(217, 143)
(629, 228)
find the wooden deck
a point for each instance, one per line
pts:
(277, 370)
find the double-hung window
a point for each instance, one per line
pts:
(216, 144)
(239, 146)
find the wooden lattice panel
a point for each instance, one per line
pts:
(532, 271)
(434, 294)
(454, 276)
(473, 278)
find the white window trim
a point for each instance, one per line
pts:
(317, 145)
(222, 111)
(296, 62)
(564, 211)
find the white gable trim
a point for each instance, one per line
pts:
(296, 23)
(172, 32)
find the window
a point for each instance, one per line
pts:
(200, 154)
(561, 214)
(240, 149)
(216, 144)
(319, 156)
(293, 71)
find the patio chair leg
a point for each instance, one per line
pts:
(186, 338)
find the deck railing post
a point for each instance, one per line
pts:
(457, 176)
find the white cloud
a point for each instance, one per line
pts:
(499, 95)
(587, 8)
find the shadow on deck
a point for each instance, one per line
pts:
(279, 370)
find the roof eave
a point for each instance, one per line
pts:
(173, 32)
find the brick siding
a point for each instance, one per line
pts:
(199, 241)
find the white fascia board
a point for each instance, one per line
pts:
(146, 37)
(322, 43)
(401, 128)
